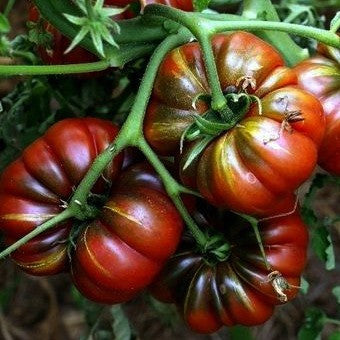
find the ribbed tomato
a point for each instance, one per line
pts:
(267, 154)
(239, 289)
(38, 185)
(320, 75)
(121, 252)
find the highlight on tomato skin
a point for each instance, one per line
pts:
(213, 293)
(269, 152)
(121, 252)
(38, 185)
(320, 75)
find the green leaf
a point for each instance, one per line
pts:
(323, 246)
(121, 326)
(200, 5)
(336, 293)
(313, 324)
(197, 150)
(304, 285)
(4, 24)
(240, 333)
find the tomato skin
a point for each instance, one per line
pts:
(35, 187)
(263, 163)
(320, 75)
(184, 5)
(119, 254)
(236, 290)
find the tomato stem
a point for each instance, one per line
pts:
(131, 134)
(173, 189)
(254, 223)
(66, 214)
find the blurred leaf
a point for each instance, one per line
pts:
(304, 285)
(313, 324)
(334, 336)
(200, 5)
(165, 312)
(240, 333)
(323, 246)
(320, 237)
(4, 24)
(91, 310)
(121, 326)
(336, 293)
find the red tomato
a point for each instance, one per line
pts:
(210, 293)
(320, 75)
(264, 156)
(120, 253)
(38, 185)
(117, 254)
(184, 5)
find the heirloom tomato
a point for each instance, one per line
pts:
(320, 75)
(117, 254)
(268, 152)
(239, 289)
(120, 253)
(38, 185)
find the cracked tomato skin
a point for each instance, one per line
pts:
(253, 165)
(237, 290)
(37, 186)
(121, 252)
(320, 75)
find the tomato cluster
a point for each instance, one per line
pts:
(117, 254)
(284, 121)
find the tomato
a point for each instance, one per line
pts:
(264, 156)
(121, 252)
(239, 289)
(320, 75)
(184, 5)
(38, 185)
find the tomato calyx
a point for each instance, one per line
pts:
(280, 285)
(217, 249)
(205, 128)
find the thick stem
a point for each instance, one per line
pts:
(89, 9)
(66, 214)
(218, 101)
(211, 26)
(173, 189)
(132, 127)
